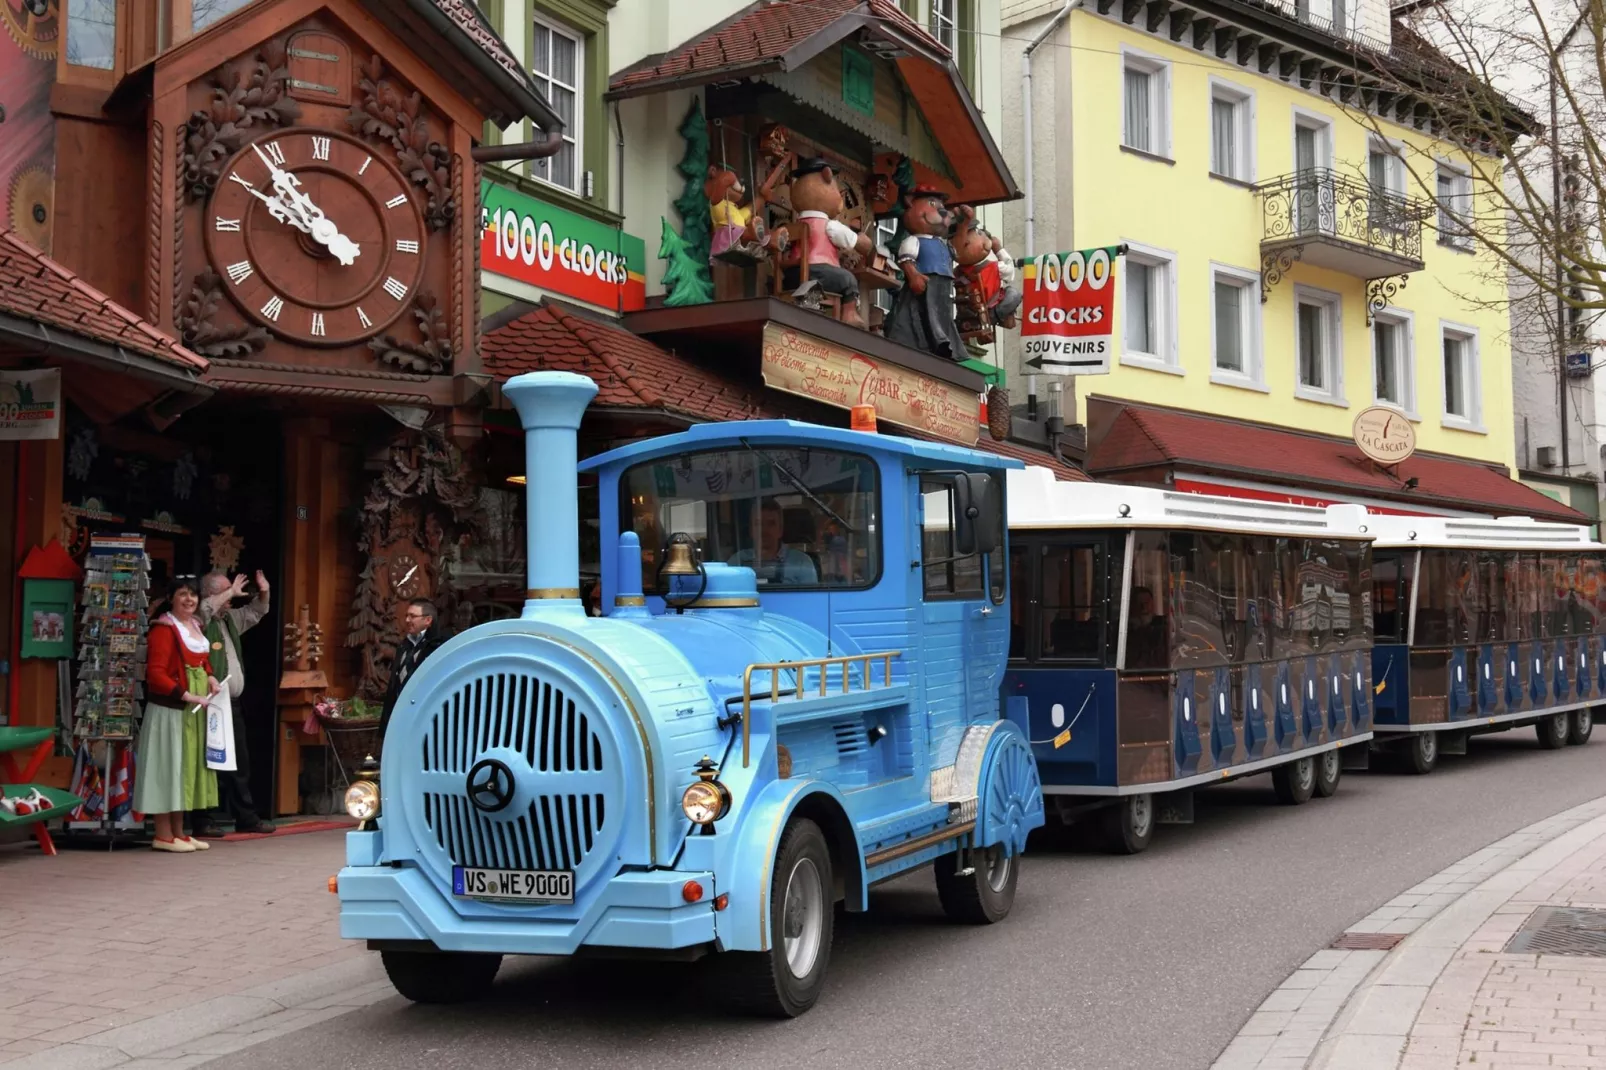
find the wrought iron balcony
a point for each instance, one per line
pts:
(1326, 219)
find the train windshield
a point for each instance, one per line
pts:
(801, 518)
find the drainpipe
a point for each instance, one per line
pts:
(523, 150)
(1026, 117)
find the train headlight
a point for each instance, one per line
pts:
(362, 800)
(706, 801)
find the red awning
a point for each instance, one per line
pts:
(1125, 439)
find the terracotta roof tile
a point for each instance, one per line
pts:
(1144, 437)
(762, 32)
(630, 372)
(35, 287)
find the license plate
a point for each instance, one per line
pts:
(516, 885)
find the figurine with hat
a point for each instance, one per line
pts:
(817, 200)
(923, 312)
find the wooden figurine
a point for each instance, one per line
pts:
(737, 230)
(985, 286)
(923, 312)
(818, 204)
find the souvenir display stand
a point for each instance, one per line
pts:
(110, 683)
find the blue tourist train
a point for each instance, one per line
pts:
(1484, 625)
(1164, 641)
(751, 734)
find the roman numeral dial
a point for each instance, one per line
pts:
(318, 237)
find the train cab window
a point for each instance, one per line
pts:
(944, 572)
(801, 518)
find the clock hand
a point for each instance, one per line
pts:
(283, 212)
(320, 226)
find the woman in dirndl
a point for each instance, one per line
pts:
(172, 776)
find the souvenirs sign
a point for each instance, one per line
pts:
(1068, 315)
(1384, 434)
(811, 367)
(30, 404)
(534, 242)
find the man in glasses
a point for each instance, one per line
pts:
(421, 640)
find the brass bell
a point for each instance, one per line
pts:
(681, 561)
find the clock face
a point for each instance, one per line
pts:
(405, 574)
(315, 236)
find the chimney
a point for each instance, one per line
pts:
(550, 405)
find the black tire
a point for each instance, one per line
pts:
(1422, 753)
(1294, 781)
(768, 982)
(985, 894)
(1582, 727)
(1554, 730)
(1329, 770)
(440, 976)
(1128, 825)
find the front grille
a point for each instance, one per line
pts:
(521, 712)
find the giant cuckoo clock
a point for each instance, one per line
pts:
(314, 194)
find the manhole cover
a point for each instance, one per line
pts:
(1562, 931)
(1366, 941)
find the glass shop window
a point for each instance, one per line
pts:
(800, 518)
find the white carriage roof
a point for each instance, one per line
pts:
(1484, 533)
(1037, 501)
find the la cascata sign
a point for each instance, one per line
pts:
(1069, 306)
(1384, 434)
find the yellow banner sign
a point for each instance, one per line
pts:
(810, 367)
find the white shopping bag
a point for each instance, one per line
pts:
(220, 732)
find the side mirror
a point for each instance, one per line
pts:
(977, 514)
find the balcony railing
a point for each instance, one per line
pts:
(1323, 204)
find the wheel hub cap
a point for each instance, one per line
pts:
(803, 917)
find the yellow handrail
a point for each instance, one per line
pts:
(775, 668)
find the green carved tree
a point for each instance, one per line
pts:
(687, 280)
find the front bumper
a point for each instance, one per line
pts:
(381, 901)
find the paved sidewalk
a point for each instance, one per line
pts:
(1448, 995)
(133, 958)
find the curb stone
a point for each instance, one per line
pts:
(1348, 1010)
(220, 1026)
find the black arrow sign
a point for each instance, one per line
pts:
(1038, 362)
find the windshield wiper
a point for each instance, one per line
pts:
(798, 483)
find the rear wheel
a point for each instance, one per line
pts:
(1583, 726)
(1294, 781)
(1422, 753)
(1128, 826)
(786, 980)
(440, 976)
(1553, 730)
(1329, 768)
(983, 895)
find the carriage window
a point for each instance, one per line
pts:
(1391, 596)
(1149, 604)
(1020, 607)
(944, 574)
(800, 518)
(1072, 601)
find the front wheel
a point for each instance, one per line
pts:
(981, 892)
(1553, 730)
(1423, 752)
(1128, 826)
(1295, 781)
(1583, 726)
(786, 980)
(440, 976)
(1329, 768)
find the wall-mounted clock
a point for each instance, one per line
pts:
(316, 237)
(405, 572)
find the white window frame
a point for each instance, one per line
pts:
(1461, 237)
(1159, 100)
(1473, 371)
(1333, 394)
(572, 130)
(1313, 120)
(1405, 320)
(1253, 376)
(945, 14)
(1243, 102)
(1163, 299)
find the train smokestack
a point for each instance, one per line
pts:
(550, 405)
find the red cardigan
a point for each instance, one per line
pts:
(165, 659)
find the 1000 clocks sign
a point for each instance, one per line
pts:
(538, 243)
(1068, 321)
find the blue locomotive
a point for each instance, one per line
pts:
(793, 697)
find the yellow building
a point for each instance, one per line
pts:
(1283, 265)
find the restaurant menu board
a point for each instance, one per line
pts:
(111, 645)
